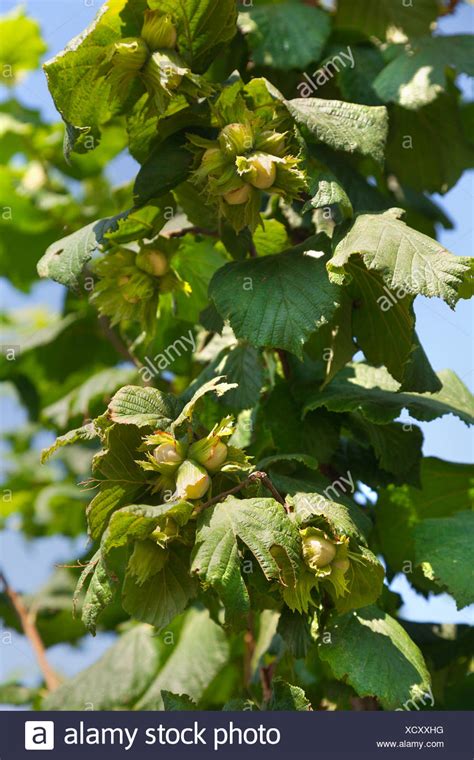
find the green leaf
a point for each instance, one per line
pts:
(122, 482)
(140, 223)
(285, 36)
(83, 95)
(177, 702)
(143, 407)
(204, 27)
(417, 76)
(88, 570)
(15, 693)
(443, 547)
(466, 290)
(197, 658)
(80, 401)
(343, 126)
(384, 18)
(99, 595)
(372, 392)
(195, 262)
(341, 519)
(409, 262)
(85, 433)
(162, 596)
(316, 434)
(240, 705)
(369, 650)
(166, 168)
(286, 697)
(295, 632)
(116, 680)
(266, 625)
(306, 459)
(65, 259)
(264, 528)
(146, 560)
(213, 386)
(384, 326)
(327, 191)
(446, 489)
(356, 82)
(428, 149)
(197, 211)
(137, 522)
(397, 446)
(21, 46)
(242, 365)
(365, 582)
(277, 301)
(362, 195)
(270, 238)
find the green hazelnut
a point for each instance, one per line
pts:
(239, 196)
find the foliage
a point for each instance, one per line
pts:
(213, 419)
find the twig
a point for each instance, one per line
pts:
(266, 677)
(252, 249)
(268, 484)
(450, 8)
(192, 231)
(222, 495)
(249, 649)
(119, 346)
(30, 630)
(262, 476)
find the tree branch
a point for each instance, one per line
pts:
(262, 476)
(249, 649)
(268, 484)
(266, 677)
(30, 630)
(116, 342)
(450, 8)
(192, 231)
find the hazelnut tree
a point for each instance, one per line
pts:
(253, 491)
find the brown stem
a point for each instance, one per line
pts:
(450, 8)
(249, 644)
(117, 343)
(268, 484)
(193, 231)
(266, 677)
(216, 499)
(262, 476)
(252, 249)
(27, 620)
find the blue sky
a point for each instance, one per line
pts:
(446, 335)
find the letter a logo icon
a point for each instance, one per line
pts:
(39, 734)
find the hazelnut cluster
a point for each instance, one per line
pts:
(129, 284)
(154, 59)
(249, 156)
(185, 468)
